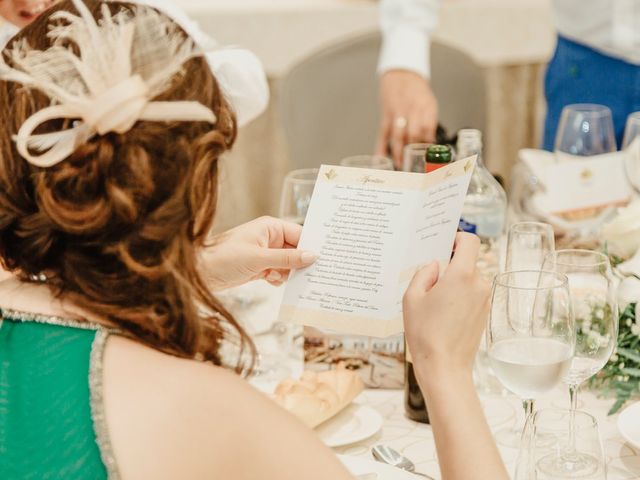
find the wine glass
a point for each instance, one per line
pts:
(528, 244)
(631, 144)
(595, 310)
(585, 129)
(376, 162)
(413, 157)
(545, 440)
(530, 335)
(296, 194)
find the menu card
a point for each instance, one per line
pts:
(372, 230)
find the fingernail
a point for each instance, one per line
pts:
(308, 257)
(274, 276)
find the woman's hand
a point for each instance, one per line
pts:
(263, 248)
(445, 318)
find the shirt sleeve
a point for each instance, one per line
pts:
(407, 26)
(239, 72)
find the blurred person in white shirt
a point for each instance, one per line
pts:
(238, 71)
(597, 60)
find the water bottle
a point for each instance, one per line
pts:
(485, 207)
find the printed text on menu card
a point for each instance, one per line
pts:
(372, 229)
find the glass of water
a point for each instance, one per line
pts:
(595, 308)
(531, 333)
(545, 440)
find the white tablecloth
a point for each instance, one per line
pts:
(415, 440)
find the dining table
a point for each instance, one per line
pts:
(256, 306)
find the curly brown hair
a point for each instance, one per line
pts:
(116, 227)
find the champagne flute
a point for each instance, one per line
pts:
(376, 162)
(585, 129)
(546, 438)
(528, 244)
(531, 334)
(595, 310)
(296, 194)
(631, 145)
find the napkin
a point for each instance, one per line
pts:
(318, 396)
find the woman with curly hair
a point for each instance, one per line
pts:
(116, 359)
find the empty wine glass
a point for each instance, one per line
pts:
(530, 335)
(631, 145)
(585, 129)
(376, 162)
(545, 440)
(413, 157)
(528, 244)
(296, 194)
(595, 310)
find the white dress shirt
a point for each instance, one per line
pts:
(239, 72)
(608, 26)
(406, 31)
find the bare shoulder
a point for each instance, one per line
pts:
(172, 418)
(167, 417)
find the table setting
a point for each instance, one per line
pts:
(562, 338)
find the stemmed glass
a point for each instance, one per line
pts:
(531, 333)
(595, 310)
(631, 144)
(585, 129)
(546, 439)
(296, 194)
(528, 244)
(376, 162)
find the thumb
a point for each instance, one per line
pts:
(286, 259)
(425, 278)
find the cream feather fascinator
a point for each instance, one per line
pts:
(124, 60)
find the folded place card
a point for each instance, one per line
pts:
(578, 184)
(372, 230)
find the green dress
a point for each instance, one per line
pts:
(52, 423)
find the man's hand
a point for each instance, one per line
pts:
(409, 113)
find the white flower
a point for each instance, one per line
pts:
(623, 232)
(629, 292)
(635, 329)
(614, 358)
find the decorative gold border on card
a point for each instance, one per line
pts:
(362, 177)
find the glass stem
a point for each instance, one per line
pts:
(573, 397)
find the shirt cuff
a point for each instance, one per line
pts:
(405, 49)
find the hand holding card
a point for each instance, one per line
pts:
(372, 229)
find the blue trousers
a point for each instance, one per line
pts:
(579, 74)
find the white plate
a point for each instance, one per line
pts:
(629, 424)
(351, 425)
(361, 466)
